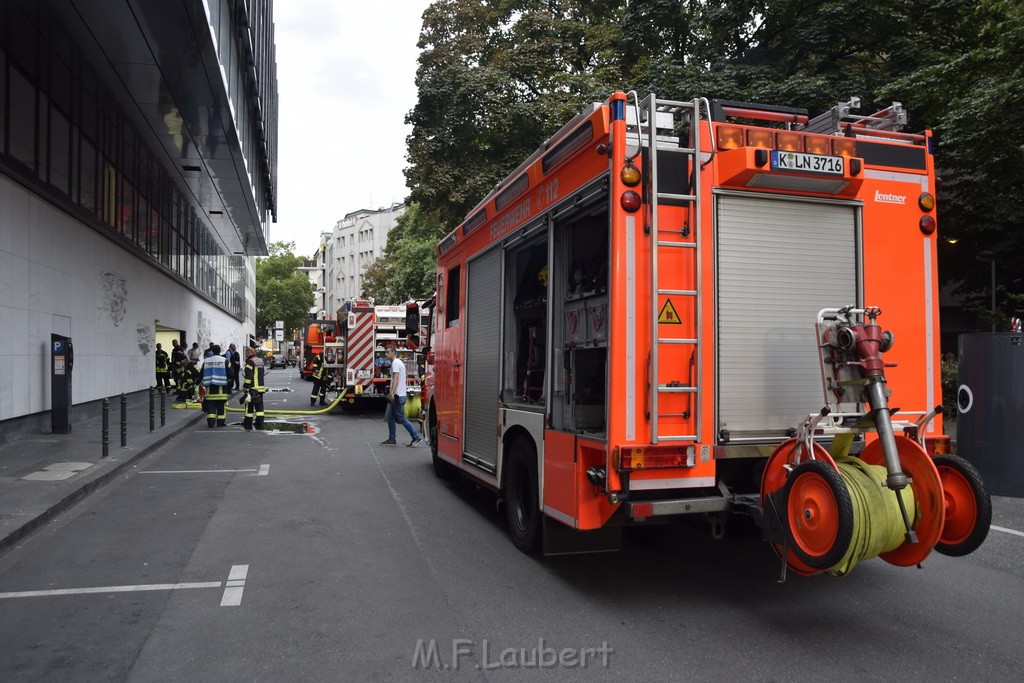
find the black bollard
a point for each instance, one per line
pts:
(163, 409)
(152, 409)
(124, 420)
(105, 434)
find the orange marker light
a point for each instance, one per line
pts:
(730, 137)
(844, 147)
(926, 202)
(759, 137)
(817, 144)
(789, 142)
(630, 176)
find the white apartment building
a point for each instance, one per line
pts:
(355, 241)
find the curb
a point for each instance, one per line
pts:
(31, 526)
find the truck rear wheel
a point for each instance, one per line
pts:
(522, 504)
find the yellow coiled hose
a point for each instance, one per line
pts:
(877, 521)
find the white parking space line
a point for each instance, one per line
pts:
(232, 592)
(111, 589)
(197, 471)
(264, 471)
(235, 585)
(1006, 531)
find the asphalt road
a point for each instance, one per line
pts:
(349, 560)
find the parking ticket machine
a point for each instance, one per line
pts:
(62, 360)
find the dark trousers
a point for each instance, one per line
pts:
(163, 379)
(319, 389)
(233, 384)
(254, 408)
(216, 406)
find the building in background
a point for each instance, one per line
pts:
(355, 241)
(138, 152)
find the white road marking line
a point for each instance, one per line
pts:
(111, 589)
(264, 471)
(195, 471)
(1006, 531)
(235, 585)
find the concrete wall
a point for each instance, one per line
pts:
(59, 276)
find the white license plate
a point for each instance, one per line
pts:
(364, 374)
(807, 163)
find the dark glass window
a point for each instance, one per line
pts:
(60, 151)
(42, 154)
(451, 303)
(3, 103)
(87, 184)
(22, 125)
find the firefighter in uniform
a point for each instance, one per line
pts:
(215, 382)
(320, 381)
(253, 389)
(177, 361)
(163, 371)
(187, 379)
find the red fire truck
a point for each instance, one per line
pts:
(358, 356)
(314, 333)
(629, 329)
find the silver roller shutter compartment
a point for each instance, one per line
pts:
(483, 361)
(779, 263)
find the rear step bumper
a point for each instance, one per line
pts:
(639, 510)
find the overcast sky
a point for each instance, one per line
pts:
(345, 71)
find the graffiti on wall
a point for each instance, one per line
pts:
(203, 330)
(144, 335)
(115, 296)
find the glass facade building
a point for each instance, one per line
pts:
(151, 123)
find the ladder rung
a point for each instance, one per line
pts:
(689, 437)
(676, 341)
(677, 292)
(676, 390)
(677, 245)
(677, 197)
(689, 151)
(675, 104)
(685, 416)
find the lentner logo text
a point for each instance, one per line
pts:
(886, 198)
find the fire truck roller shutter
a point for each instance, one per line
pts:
(780, 261)
(483, 356)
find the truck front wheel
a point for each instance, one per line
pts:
(522, 504)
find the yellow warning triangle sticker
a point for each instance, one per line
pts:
(668, 315)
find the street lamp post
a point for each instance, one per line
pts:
(991, 258)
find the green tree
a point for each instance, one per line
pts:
(494, 80)
(408, 266)
(282, 291)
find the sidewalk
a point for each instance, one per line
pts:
(42, 475)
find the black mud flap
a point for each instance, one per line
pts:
(562, 540)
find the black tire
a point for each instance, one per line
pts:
(442, 468)
(970, 540)
(825, 557)
(522, 505)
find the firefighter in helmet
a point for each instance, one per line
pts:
(253, 389)
(163, 370)
(320, 380)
